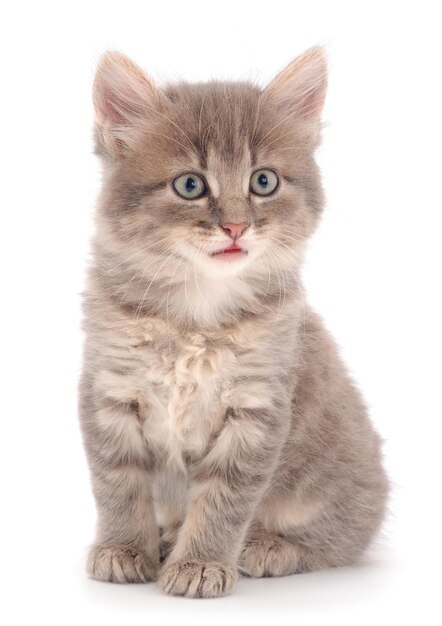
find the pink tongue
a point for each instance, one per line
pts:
(233, 248)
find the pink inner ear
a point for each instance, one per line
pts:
(310, 104)
(306, 91)
(106, 106)
(120, 93)
(302, 84)
(116, 101)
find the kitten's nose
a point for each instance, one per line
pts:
(234, 230)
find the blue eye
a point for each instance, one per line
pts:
(263, 182)
(190, 186)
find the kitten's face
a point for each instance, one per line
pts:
(219, 175)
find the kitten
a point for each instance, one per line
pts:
(222, 430)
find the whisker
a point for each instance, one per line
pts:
(293, 272)
(167, 302)
(296, 256)
(268, 279)
(281, 301)
(131, 256)
(291, 237)
(185, 288)
(198, 253)
(125, 286)
(139, 307)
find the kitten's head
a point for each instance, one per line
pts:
(220, 175)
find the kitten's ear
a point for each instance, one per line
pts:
(122, 95)
(302, 85)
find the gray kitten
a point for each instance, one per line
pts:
(223, 432)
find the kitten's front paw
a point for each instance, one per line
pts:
(120, 564)
(194, 579)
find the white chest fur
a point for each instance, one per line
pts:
(180, 381)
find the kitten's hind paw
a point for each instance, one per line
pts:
(120, 564)
(266, 554)
(194, 579)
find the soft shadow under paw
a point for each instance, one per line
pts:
(120, 564)
(197, 580)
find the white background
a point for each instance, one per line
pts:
(373, 271)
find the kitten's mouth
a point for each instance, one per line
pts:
(232, 252)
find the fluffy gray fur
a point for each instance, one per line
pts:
(223, 432)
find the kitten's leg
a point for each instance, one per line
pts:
(267, 553)
(270, 547)
(126, 548)
(226, 485)
(291, 534)
(127, 543)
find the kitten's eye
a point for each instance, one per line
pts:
(190, 186)
(263, 182)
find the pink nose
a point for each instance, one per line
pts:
(234, 230)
